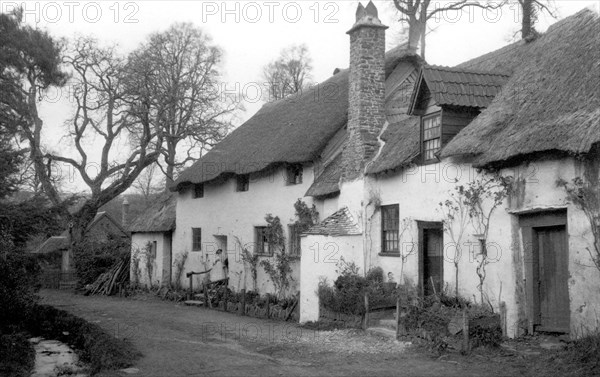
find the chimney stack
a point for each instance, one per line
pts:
(366, 97)
(125, 212)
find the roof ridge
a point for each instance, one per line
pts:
(462, 70)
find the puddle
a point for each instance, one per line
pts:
(54, 358)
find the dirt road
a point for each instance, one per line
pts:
(186, 341)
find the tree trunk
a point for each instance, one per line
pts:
(414, 34)
(527, 20)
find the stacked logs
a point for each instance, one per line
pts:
(109, 282)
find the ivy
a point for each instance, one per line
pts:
(279, 269)
(585, 194)
(306, 216)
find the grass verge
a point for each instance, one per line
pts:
(17, 355)
(93, 345)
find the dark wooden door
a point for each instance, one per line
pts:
(433, 261)
(550, 252)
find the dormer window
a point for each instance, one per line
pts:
(198, 190)
(242, 182)
(431, 131)
(293, 175)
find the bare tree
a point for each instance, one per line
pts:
(289, 73)
(416, 14)
(176, 73)
(147, 184)
(102, 112)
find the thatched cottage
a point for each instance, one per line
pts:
(151, 242)
(389, 150)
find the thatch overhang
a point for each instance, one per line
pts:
(551, 102)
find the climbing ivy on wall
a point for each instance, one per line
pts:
(584, 192)
(279, 268)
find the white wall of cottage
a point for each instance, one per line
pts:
(138, 247)
(419, 190)
(320, 260)
(225, 212)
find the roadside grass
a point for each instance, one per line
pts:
(581, 357)
(93, 345)
(17, 355)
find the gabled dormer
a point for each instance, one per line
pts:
(447, 100)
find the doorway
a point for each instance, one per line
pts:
(431, 257)
(547, 271)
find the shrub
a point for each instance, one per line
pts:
(17, 355)
(19, 274)
(585, 350)
(93, 257)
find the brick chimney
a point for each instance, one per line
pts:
(366, 112)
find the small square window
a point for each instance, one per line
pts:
(262, 241)
(432, 137)
(196, 239)
(198, 190)
(293, 175)
(242, 182)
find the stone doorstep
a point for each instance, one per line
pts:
(382, 331)
(386, 323)
(194, 303)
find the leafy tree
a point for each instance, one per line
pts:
(289, 73)
(175, 74)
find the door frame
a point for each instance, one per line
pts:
(422, 226)
(528, 222)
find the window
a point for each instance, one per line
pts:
(243, 182)
(196, 239)
(293, 175)
(294, 243)
(390, 229)
(198, 190)
(262, 242)
(432, 136)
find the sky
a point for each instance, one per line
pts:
(252, 33)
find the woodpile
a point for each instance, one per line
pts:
(111, 281)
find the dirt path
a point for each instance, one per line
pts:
(184, 341)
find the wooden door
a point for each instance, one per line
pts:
(551, 311)
(433, 261)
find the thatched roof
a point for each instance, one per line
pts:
(327, 182)
(401, 146)
(159, 217)
(63, 241)
(292, 130)
(53, 244)
(551, 101)
(459, 86)
(340, 223)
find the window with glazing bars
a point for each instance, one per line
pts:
(432, 136)
(390, 229)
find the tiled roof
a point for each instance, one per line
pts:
(328, 181)
(340, 223)
(460, 87)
